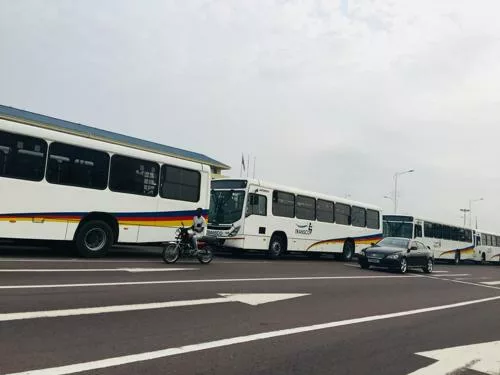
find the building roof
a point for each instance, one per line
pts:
(35, 119)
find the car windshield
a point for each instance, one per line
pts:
(394, 242)
(226, 206)
(398, 229)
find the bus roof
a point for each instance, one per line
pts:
(424, 219)
(52, 123)
(271, 185)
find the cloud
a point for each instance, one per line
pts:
(327, 100)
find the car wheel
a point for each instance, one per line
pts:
(403, 265)
(429, 266)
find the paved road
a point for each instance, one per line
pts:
(316, 317)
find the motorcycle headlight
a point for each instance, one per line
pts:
(234, 231)
(393, 256)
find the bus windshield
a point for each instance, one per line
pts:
(398, 229)
(226, 206)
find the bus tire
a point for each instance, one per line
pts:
(348, 250)
(277, 246)
(94, 239)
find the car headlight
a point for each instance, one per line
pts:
(234, 231)
(393, 256)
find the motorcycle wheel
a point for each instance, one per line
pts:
(205, 255)
(170, 253)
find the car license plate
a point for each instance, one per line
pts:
(374, 260)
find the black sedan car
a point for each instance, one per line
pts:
(398, 254)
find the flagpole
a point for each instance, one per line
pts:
(248, 165)
(242, 164)
(254, 159)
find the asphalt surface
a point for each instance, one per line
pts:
(338, 312)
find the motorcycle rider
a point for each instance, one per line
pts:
(198, 228)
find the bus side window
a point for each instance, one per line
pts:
(418, 230)
(256, 205)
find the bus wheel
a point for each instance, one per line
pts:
(348, 251)
(94, 239)
(276, 246)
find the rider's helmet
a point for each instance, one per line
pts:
(199, 212)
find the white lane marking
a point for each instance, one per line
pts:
(351, 265)
(482, 358)
(21, 260)
(460, 282)
(253, 299)
(244, 262)
(440, 271)
(453, 275)
(491, 282)
(128, 283)
(7, 270)
(147, 356)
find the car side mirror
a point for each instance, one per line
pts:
(372, 244)
(413, 248)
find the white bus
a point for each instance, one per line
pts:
(448, 242)
(248, 214)
(69, 182)
(487, 247)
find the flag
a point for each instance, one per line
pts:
(243, 162)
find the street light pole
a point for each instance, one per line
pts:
(465, 210)
(396, 175)
(470, 209)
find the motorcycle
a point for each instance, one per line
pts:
(183, 248)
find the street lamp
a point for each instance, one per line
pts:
(470, 209)
(396, 175)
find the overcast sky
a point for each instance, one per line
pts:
(333, 96)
